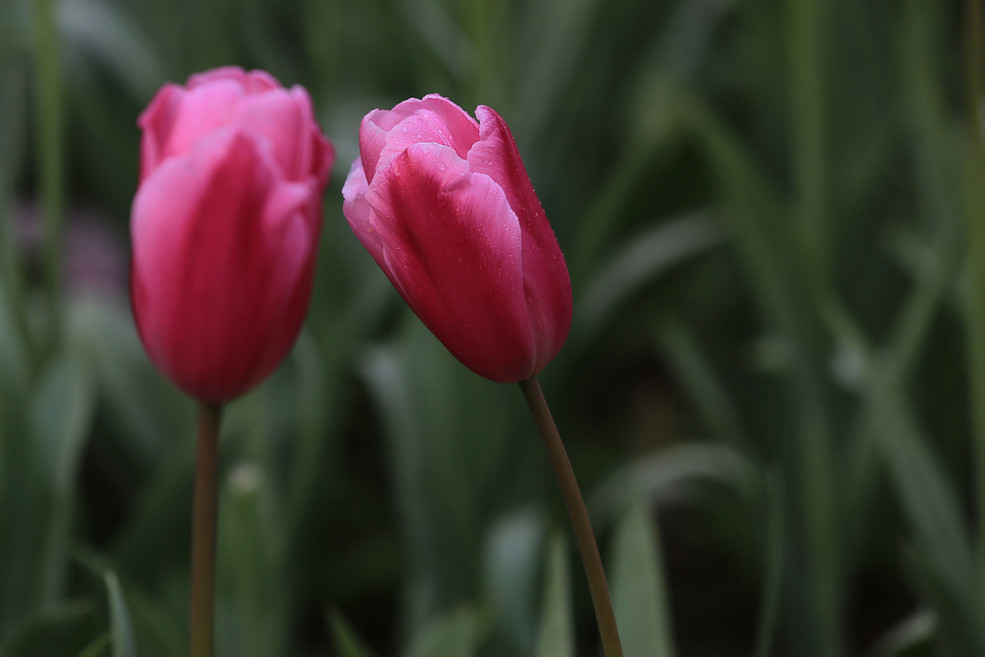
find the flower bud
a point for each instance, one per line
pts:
(225, 228)
(444, 205)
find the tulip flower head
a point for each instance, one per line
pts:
(444, 205)
(225, 228)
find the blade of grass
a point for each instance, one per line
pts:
(646, 256)
(124, 640)
(807, 36)
(347, 644)
(50, 155)
(696, 375)
(13, 116)
(639, 591)
(557, 632)
(774, 566)
(452, 635)
(975, 300)
(514, 550)
(785, 291)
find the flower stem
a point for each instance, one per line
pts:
(604, 614)
(204, 512)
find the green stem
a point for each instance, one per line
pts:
(580, 522)
(49, 127)
(205, 507)
(976, 273)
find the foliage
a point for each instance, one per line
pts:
(763, 207)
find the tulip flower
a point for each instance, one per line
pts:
(444, 205)
(225, 228)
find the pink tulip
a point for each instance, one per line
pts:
(225, 228)
(446, 208)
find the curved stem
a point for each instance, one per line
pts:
(204, 514)
(602, 601)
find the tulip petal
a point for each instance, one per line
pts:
(452, 248)
(431, 119)
(250, 81)
(357, 212)
(279, 117)
(201, 112)
(156, 123)
(546, 280)
(220, 240)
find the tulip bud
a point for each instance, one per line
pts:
(444, 205)
(225, 228)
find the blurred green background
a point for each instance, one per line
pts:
(772, 215)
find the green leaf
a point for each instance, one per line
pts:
(62, 630)
(645, 257)
(639, 595)
(673, 470)
(452, 441)
(773, 566)
(513, 554)
(253, 616)
(124, 640)
(99, 646)
(61, 414)
(557, 631)
(697, 376)
(147, 409)
(914, 631)
(346, 643)
(928, 500)
(105, 33)
(451, 635)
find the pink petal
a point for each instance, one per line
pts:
(156, 123)
(546, 280)
(251, 82)
(434, 118)
(220, 252)
(452, 248)
(357, 212)
(322, 153)
(279, 117)
(202, 111)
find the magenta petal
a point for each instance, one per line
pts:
(250, 81)
(225, 228)
(357, 212)
(452, 248)
(156, 123)
(206, 229)
(431, 119)
(278, 116)
(461, 130)
(546, 279)
(201, 112)
(372, 139)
